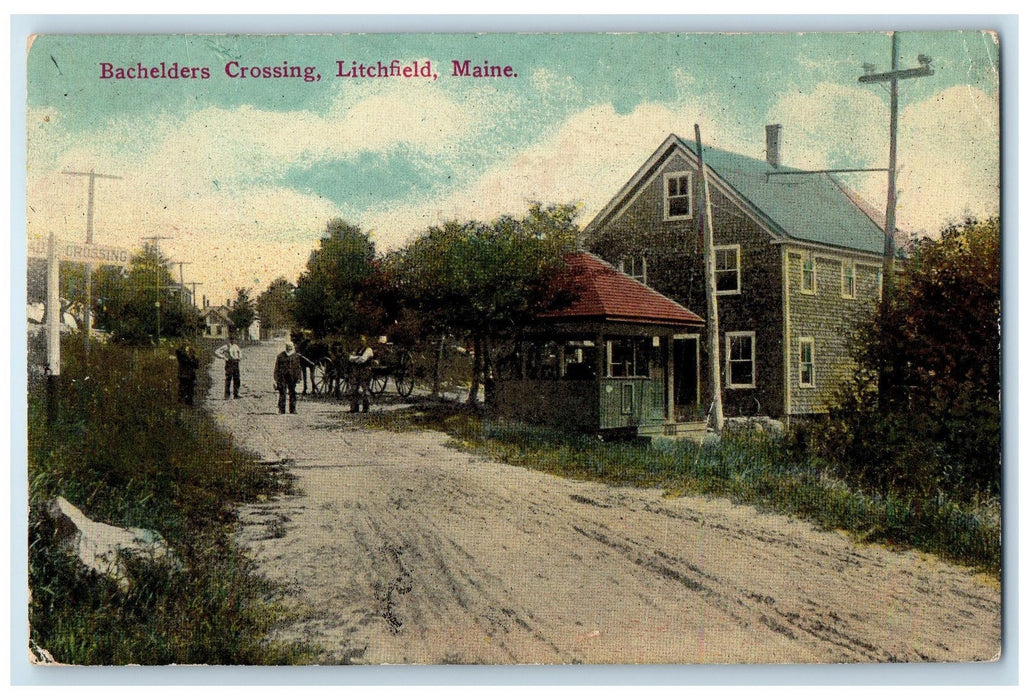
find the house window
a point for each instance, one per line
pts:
(807, 361)
(727, 269)
(807, 275)
(678, 196)
(635, 267)
(740, 360)
(879, 283)
(848, 280)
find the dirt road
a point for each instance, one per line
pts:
(399, 549)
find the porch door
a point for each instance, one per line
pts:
(686, 357)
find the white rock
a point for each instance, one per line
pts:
(99, 546)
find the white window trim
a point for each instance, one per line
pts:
(800, 361)
(664, 195)
(844, 264)
(805, 257)
(728, 359)
(642, 276)
(739, 272)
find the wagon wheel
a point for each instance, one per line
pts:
(403, 376)
(321, 377)
(378, 383)
(345, 386)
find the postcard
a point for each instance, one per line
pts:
(513, 348)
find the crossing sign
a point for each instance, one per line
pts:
(81, 252)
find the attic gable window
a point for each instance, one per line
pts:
(678, 196)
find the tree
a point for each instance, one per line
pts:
(341, 291)
(488, 280)
(939, 423)
(143, 303)
(242, 312)
(276, 305)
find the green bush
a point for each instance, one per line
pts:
(121, 449)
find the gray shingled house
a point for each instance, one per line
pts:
(798, 261)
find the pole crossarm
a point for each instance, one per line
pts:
(92, 174)
(827, 171)
(904, 74)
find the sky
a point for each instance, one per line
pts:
(239, 175)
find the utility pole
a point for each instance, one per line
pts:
(157, 283)
(893, 77)
(88, 313)
(182, 284)
(714, 356)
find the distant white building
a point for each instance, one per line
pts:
(216, 322)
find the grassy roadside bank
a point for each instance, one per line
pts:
(126, 453)
(755, 469)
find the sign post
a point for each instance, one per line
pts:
(54, 251)
(53, 330)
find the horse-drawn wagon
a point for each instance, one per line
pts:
(333, 374)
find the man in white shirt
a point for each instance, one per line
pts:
(231, 353)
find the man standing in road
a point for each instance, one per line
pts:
(361, 363)
(287, 374)
(188, 363)
(231, 353)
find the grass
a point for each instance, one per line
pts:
(755, 469)
(126, 453)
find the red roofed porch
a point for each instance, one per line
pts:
(619, 358)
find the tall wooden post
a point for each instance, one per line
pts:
(893, 77)
(88, 311)
(53, 329)
(714, 356)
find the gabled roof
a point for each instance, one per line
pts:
(605, 294)
(219, 311)
(810, 207)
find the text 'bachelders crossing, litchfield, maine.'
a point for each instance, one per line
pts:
(242, 70)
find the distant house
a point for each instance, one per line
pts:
(798, 262)
(216, 322)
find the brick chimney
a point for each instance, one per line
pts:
(772, 133)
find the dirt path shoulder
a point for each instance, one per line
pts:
(399, 549)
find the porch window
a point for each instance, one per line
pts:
(849, 280)
(807, 361)
(740, 360)
(807, 274)
(580, 360)
(678, 196)
(727, 269)
(628, 357)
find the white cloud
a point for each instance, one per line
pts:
(947, 154)
(196, 178)
(948, 159)
(586, 161)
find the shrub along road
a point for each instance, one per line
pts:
(397, 548)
